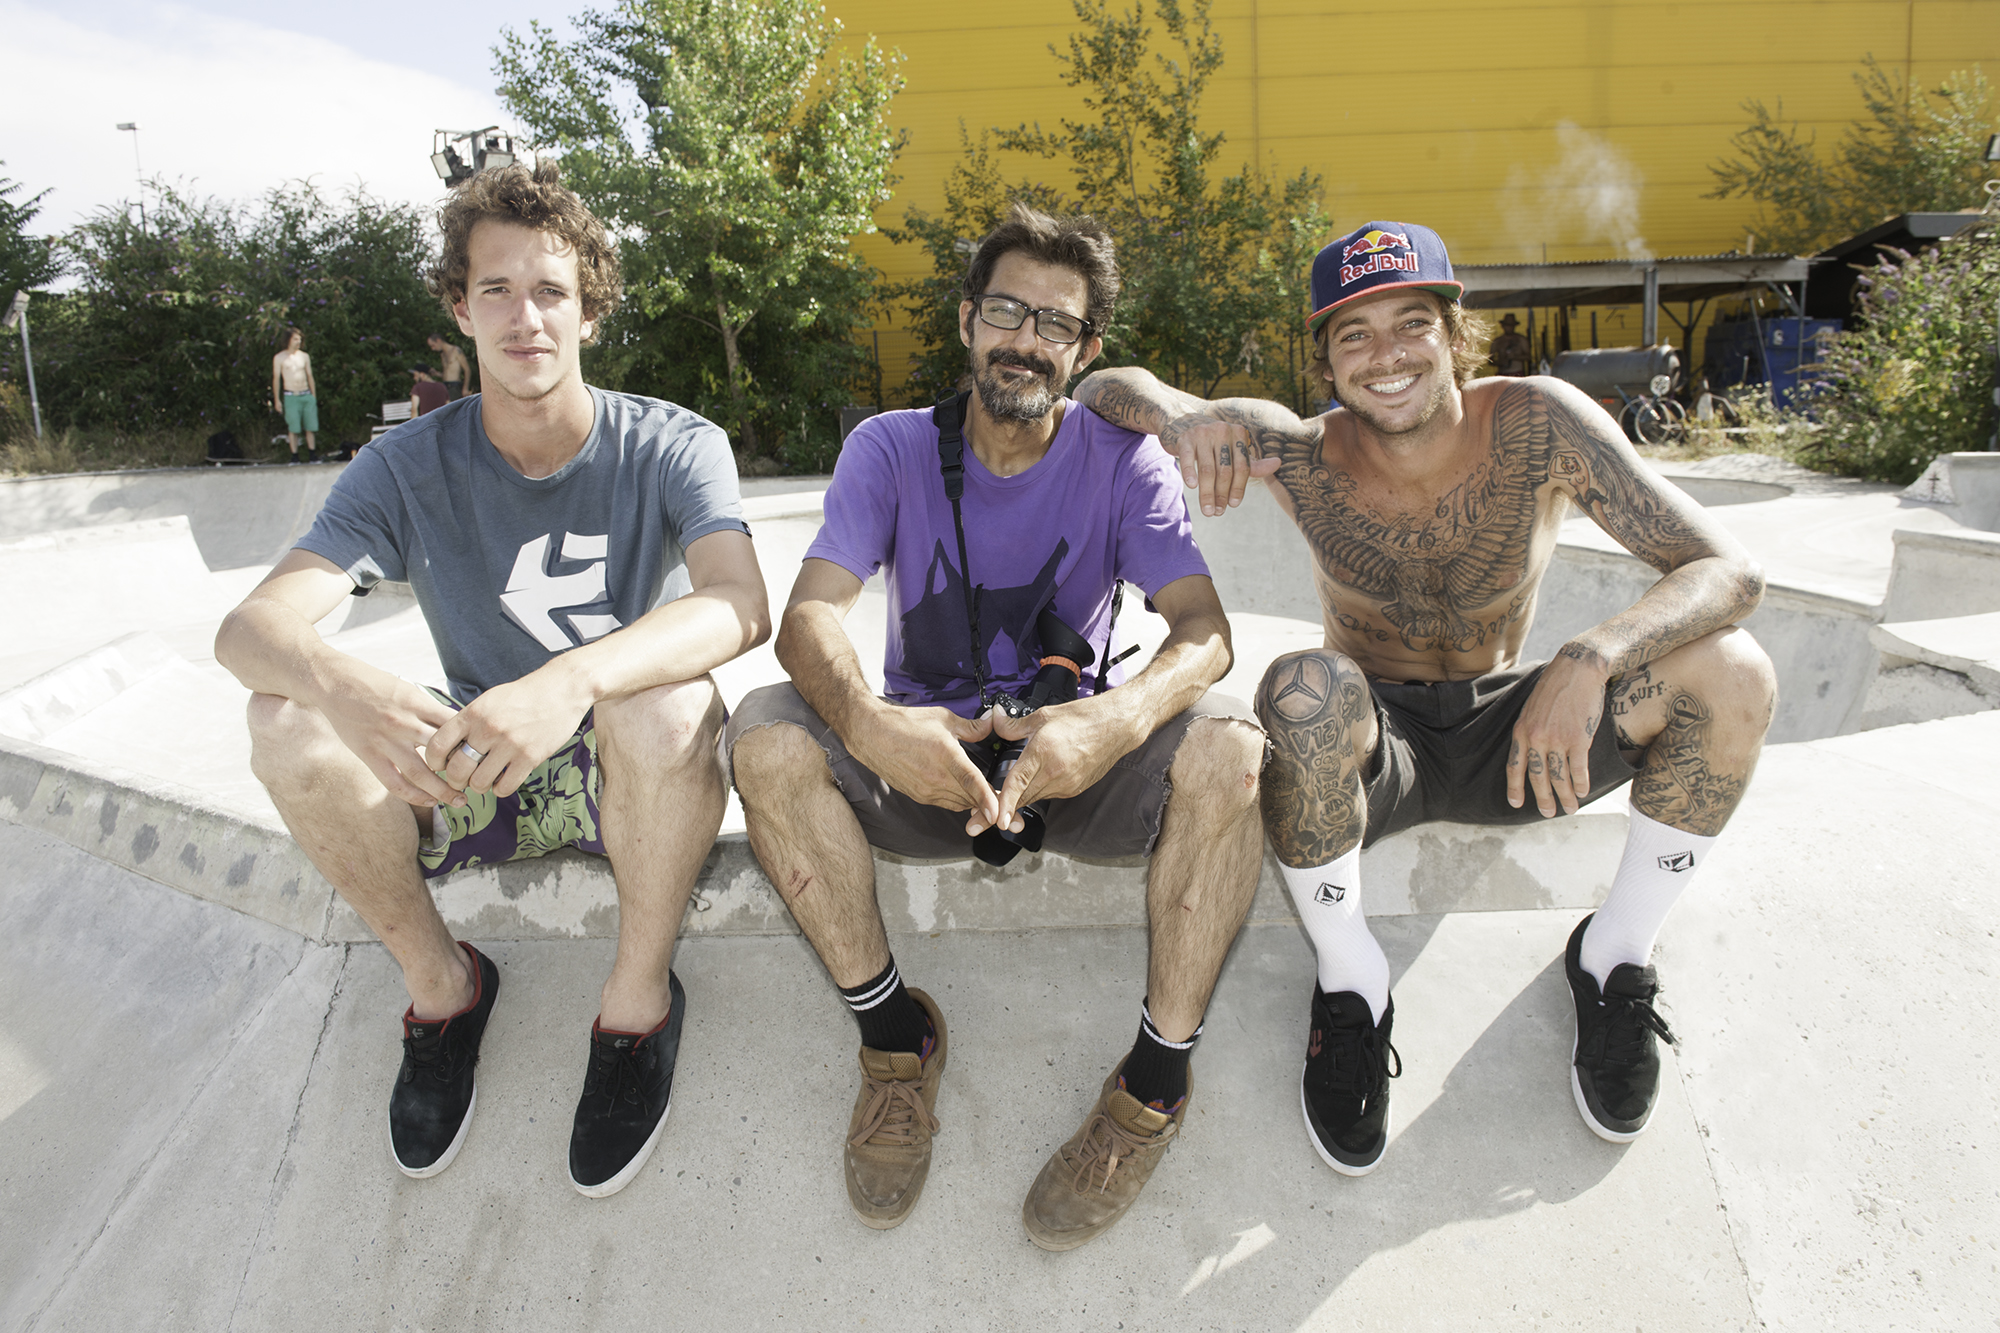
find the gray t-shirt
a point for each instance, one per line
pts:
(511, 570)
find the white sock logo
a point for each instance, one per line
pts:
(1677, 862)
(534, 595)
(1329, 894)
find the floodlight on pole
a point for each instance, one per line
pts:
(484, 148)
(17, 313)
(138, 170)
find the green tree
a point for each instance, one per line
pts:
(1914, 377)
(1922, 153)
(26, 262)
(1214, 268)
(736, 166)
(174, 322)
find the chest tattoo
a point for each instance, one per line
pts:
(1433, 574)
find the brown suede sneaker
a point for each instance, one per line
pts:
(1091, 1180)
(888, 1152)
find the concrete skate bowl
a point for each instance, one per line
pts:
(239, 516)
(1816, 632)
(131, 745)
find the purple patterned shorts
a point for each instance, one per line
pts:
(555, 807)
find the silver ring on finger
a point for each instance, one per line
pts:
(476, 756)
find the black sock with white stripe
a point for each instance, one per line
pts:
(1156, 1072)
(890, 1018)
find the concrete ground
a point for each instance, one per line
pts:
(192, 1132)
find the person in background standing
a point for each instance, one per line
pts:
(457, 376)
(294, 396)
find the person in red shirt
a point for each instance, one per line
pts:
(426, 395)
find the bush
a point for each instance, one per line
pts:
(175, 320)
(1915, 377)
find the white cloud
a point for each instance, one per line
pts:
(225, 107)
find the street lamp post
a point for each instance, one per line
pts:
(138, 170)
(18, 313)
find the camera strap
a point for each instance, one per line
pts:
(949, 416)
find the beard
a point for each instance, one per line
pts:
(1355, 399)
(1024, 401)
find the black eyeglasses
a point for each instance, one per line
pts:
(1057, 326)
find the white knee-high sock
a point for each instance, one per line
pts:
(1329, 902)
(1659, 863)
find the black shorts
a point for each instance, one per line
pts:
(1443, 753)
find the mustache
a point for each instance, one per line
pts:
(1005, 356)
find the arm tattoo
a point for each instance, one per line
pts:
(1144, 407)
(1606, 479)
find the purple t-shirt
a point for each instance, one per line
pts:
(1103, 504)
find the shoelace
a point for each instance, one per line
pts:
(1626, 1022)
(894, 1108)
(615, 1075)
(1116, 1144)
(429, 1054)
(1361, 1062)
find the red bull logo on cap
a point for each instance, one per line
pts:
(1377, 245)
(1368, 242)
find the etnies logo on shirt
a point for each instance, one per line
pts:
(535, 594)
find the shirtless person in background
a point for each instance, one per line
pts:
(1431, 506)
(294, 396)
(457, 371)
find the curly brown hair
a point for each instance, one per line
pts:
(534, 199)
(1463, 331)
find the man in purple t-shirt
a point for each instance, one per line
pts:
(1057, 507)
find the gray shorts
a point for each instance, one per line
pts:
(1117, 817)
(1443, 752)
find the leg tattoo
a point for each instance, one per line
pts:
(1314, 707)
(1677, 786)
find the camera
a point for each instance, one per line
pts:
(1065, 654)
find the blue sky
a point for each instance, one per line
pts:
(233, 98)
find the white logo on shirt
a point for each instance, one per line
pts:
(534, 595)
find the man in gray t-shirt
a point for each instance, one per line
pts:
(581, 559)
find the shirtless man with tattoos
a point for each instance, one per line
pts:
(1432, 506)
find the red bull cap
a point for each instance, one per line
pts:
(1376, 257)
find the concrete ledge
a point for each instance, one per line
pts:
(1817, 636)
(1942, 574)
(1967, 482)
(36, 708)
(166, 833)
(179, 838)
(1968, 645)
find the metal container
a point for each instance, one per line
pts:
(1616, 374)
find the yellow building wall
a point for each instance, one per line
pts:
(1571, 130)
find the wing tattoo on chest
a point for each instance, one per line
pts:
(1432, 571)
